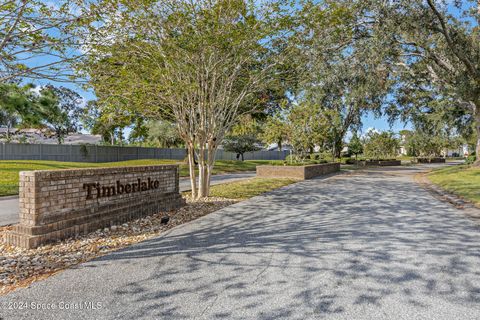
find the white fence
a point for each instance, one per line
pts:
(93, 153)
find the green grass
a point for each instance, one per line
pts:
(248, 188)
(461, 180)
(405, 158)
(9, 169)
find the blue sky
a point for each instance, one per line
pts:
(369, 120)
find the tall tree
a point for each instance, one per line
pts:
(241, 144)
(227, 52)
(60, 109)
(345, 73)
(380, 145)
(17, 105)
(355, 146)
(275, 130)
(105, 120)
(435, 46)
(308, 127)
(163, 134)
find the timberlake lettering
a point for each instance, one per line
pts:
(118, 188)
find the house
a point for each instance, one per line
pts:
(461, 151)
(42, 136)
(274, 147)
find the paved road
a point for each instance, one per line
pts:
(8, 210)
(9, 205)
(372, 245)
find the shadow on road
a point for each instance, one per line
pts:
(312, 249)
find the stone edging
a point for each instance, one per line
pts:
(442, 194)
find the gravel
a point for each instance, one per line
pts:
(21, 267)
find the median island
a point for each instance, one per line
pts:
(297, 170)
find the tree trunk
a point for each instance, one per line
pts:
(206, 160)
(8, 132)
(241, 154)
(477, 126)
(202, 173)
(279, 145)
(191, 167)
(212, 152)
(334, 151)
(59, 137)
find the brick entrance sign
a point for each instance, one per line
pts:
(62, 203)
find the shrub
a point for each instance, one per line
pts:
(291, 160)
(380, 145)
(84, 151)
(471, 159)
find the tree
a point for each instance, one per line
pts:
(344, 72)
(355, 146)
(380, 145)
(430, 139)
(275, 131)
(105, 120)
(40, 39)
(226, 56)
(241, 144)
(307, 126)
(434, 54)
(247, 124)
(163, 134)
(424, 144)
(17, 106)
(60, 109)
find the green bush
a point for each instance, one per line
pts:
(380, 145)
(295, 162)
(314, 158)
(471, 159)
(314, 161)
(290, 158)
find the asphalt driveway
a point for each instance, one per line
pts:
(372, 245)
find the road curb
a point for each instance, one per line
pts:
(9, 197)
(442, 194)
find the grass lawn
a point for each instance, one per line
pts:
(245, 189)
(461, 180)
(9, 169)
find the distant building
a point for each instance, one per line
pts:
(39, 136)
(274, 147)
(461, 151)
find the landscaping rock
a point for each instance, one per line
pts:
(20, 267)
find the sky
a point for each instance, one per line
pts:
(369, 120)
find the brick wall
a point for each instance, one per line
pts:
(431, 160)
(58, 204)
(297, 172)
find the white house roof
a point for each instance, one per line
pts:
(44, 137)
